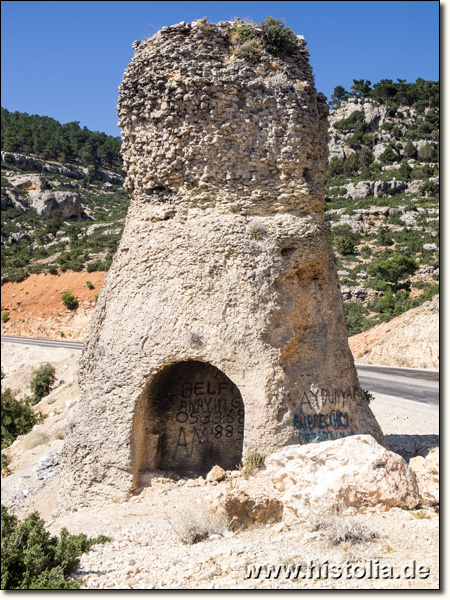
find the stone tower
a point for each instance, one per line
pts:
(220, 328)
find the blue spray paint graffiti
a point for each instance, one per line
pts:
(320, 427)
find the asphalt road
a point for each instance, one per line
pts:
(416, 385)
(40, 342)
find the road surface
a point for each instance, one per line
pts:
(393, 385)
(41, 342)
(416, 385)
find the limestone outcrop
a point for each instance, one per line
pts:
(409, 340)
(426, 470)
(220, 329)
(333, 476)
(45, 202)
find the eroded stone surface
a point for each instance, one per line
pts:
(353, 472)
(224, 260)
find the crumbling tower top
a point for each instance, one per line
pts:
(225, 115)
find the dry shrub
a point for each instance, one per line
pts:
(249, 49)
(194, 526)
(35, 438)
(349, 530)
(251, 463)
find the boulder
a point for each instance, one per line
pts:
(216, 474)
(48, 466)
(69, 203)
(29, 182)
(334, 475)
(426, 471)
(21, 161)
(244, 510)
(12, 198)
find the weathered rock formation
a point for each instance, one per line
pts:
(45, 202)
(220, 329)
(426, 470)
(352, 472)
(410, 340)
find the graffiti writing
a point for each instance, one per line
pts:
(324, 396)
(189, 438)
(207, 412)
(320, 427)
(322, 436)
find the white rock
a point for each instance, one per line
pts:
(354, 471)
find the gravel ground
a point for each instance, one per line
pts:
(146, 551)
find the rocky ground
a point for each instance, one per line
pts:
(147, 551)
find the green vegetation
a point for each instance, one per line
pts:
(41, 382)
(5, 316)
(90, 285)
(18, 418)
(343, 239)
(421, 95)
(271, 34)
(32, 559)
(392, 268)
(47, 138)
(69, 300)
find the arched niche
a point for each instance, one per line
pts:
(189, 418)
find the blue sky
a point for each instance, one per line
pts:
(66, 59)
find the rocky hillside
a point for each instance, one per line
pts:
(58, 216)
(382, 204)
(64, 211)
(409, 340)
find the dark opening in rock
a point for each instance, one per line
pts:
(190, 418)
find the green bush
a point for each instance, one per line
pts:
(354, 315)
(392, 268)
(32, 559)
(43, 379)
(249, 49)
(69, 300)
(343, 239)
(18, 417)
(98, 265)
(277, 37)
(5, 316)
(90, 285)
(388, 156)
(272, 33)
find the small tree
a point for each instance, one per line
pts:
(5, 316)
(17, 417)
(34, 560)
(277, 37)
(339, 94)
(410, 151)
(392, 268)
(43, 379)
(426, 153)
(344, 239)
(388, 156)
(361, 87)
(69, 300)
(405, 170)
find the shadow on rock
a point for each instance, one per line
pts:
(412, 445)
